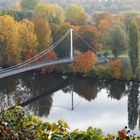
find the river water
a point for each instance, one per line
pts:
(82, 102)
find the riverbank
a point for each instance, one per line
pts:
(117, 69)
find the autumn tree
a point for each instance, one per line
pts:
(133, 45)
(28, 39)
(115, 68)
(84, 62)
(104, 25)
(53, 12)
(91, 35)
(9, 41)
(76, 15)
(101, 16)
(29, 4)
(43, 32)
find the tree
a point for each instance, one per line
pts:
(100, 16)
(84, 62)
(29, 4)
(53, 12)
(9, 41)
(43, 32)
(28, 39)
(117, 40)
(133, 44)
(115, 68)
(104, 25)
(91, 35)
(76, 15)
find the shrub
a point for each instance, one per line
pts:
(15, 124)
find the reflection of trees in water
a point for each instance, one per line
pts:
(17, 89)
(133, 105)
(42, 107)
(139, 111)
(117, 89)
(12, 92)
(38, 84)
(87, 88)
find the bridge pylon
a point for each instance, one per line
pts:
(71, 44)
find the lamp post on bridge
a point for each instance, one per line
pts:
(71, 44)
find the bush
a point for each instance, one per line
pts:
(15, 124)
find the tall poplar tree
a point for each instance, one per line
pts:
(133, 45)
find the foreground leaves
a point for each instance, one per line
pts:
(15, 124)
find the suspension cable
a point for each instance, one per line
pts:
(37, 56)
(15, 68)
(85, 41)
(90, 46)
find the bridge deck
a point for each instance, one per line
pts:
(32, 67)
(37, 66)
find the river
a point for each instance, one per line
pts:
(82, 102)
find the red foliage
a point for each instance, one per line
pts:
(84, 62)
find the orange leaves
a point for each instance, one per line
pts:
(115, 68)
(84, 62)
(104, 25)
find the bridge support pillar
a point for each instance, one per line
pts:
(71, 44)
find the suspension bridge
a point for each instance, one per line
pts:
(33, 62)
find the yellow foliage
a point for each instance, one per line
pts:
(53, 12)
(9, 40)
(28, 39)
(43, 32)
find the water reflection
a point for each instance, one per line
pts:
(38, 91)
(133, 104)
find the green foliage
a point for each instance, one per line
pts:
(133, 44)
(29, 4)
(10, 13)
(15, 124)
(53, 12)
(76, 15)
(117, 40)
(90, 134)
